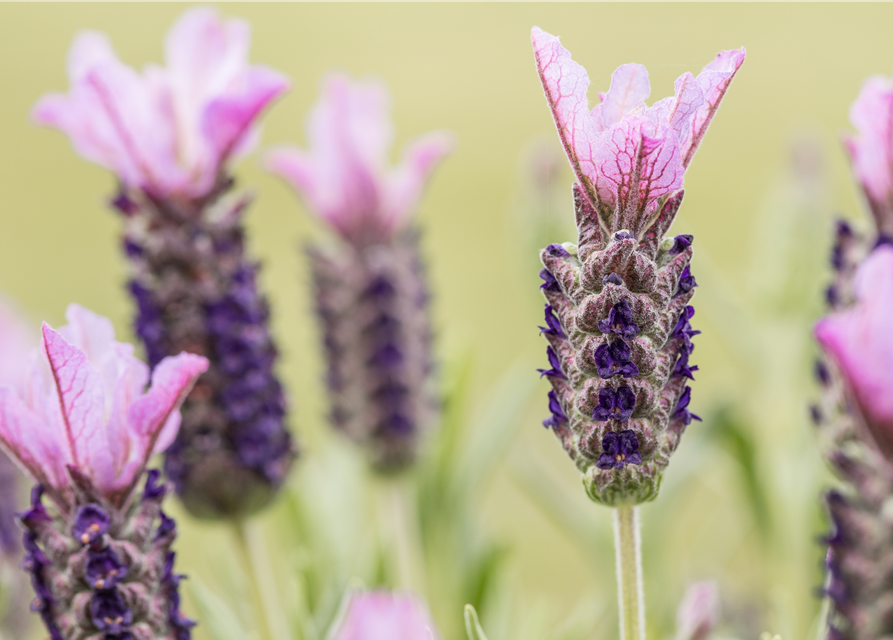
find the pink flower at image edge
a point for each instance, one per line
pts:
(85, 406)
(860, 341)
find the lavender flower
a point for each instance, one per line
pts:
(379, 615)
(621, 295)
(83, 428)
(855, 416)
(168, 136)
(371, 292)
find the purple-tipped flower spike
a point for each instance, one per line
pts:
(83, 427)
(855, 415)
(621, 295)
(169, 136)
(699, 612)
(370, 287)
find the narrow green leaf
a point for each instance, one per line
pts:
(472, 625)
(217, 616)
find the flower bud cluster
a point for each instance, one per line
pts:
(103, 573)
(196, 291)
(372, 305)
(617, 323)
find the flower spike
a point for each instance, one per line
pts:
(370, 287)
(620, 297)
(169, 135)
(81, 424)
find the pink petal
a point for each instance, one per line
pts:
(228, 118)
(714, 80)
(629, 88)
(565, 83)
(32, 442)
(636, 169)
(378, 615)
(172, 380)
(699, 612)
(80, 394)
(407, 182)
(871, 149)
(861, 343)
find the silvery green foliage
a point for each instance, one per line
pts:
(620, 259)
(102, 572)
(372, 306)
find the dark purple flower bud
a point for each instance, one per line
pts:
(822, 374)
(831, 296)
(104, 568)
(37, 513)
(620, 449)
(620, 321)
(614, 359)
(681, 411)
(686, 282)
(553, 325)
(557, 251)
(613, 278)
(124, 204)
(558, 416)
(683, 329)
(555, 364)
(682, 368)
(883, 240)
(109, 611)
(549, 281)
(815, 414)
(91, 522)
(681, 243)
(153, 490)
(623, 235)
(617, 403)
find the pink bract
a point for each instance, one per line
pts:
(860, 340)
(84, 405)
(379, 615)
(699, 612)
(626, 155)
(345, 177)
(170, 129)
(871, 149)
(16, 342)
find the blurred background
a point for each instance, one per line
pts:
(740, 500)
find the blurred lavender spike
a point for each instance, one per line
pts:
(99, 552)
(855, 414)
(169, 135)
(699, 612)
(621, 342)
(370, 289)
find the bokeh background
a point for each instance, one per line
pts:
(741, 499)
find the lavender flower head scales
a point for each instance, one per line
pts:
(370, 288)
(855, 415)
(621, 294)
(83, 425)
(169, 134)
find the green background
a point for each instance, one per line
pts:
(759, 196)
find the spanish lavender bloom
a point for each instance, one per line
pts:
(371, 292)
(379, 615)
(699, 612)
(84, 429)
(856, 411)
(169, 135)
(621, 294)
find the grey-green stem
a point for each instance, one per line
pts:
(630, 587)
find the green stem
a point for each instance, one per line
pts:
(630, 588)
(244, 548)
